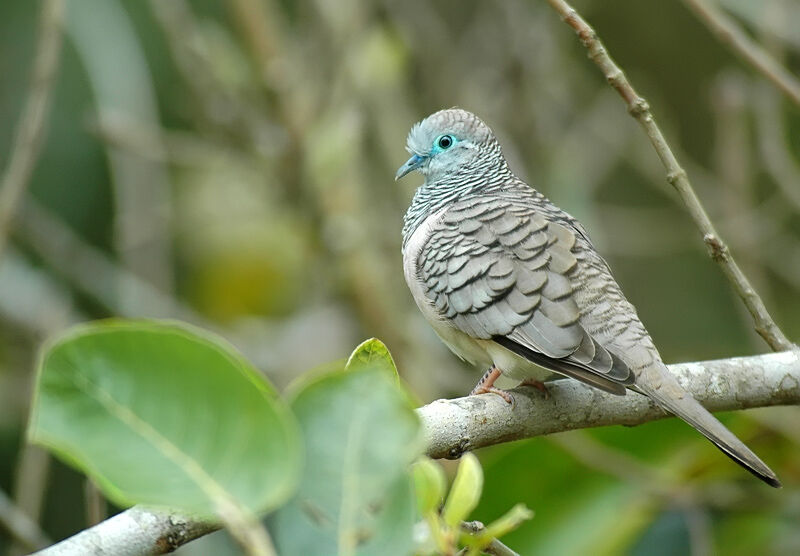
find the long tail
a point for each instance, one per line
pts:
(658, 383)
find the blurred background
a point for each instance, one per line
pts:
(231, 164)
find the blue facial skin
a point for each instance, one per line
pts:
(441, 143)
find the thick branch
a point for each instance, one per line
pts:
(463, 424)
(134, 532)
(676, 176)
(455, 426)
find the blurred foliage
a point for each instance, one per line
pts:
(170, 416)
(445, 517)
(360, 435)
(231, 163)
(112, 395)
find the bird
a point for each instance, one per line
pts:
(511, 282)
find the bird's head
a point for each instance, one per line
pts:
(447, 142)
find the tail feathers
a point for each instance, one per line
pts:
(657, 383)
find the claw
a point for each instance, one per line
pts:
(499, 391)
(539, 385)
(485, 385)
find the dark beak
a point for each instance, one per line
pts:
(411, 164)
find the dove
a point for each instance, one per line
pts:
(511, 282)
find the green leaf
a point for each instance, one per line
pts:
(393, 522)
(372, 354)
(163, 414)
(361, 434)
(509, 521)
(429, 485)
(465, 492)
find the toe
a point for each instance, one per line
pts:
(503, 394)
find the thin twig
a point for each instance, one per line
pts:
(96, 510)
(698, 523)
(783, 258)
(667, 481)
(676, 176)
(32, 471)
(734, 164)
(783, 422)
(93, 272)
(22, 528)
(495, 547)
(775, 154)
(659, 481)
(257, 21)
(31, 128)
(219, 104)
(730, 34)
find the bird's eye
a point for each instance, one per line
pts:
(445, 141)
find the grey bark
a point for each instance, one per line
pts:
(134, 532)
(463, 424)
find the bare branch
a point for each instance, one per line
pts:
(676, 176)
(134, 532)
(775, 153)
(95, 273)
(96, 509)
(495, 548)
(463, 424)
(22, 528)
(31, 127)
(730, 34)
(456, 426)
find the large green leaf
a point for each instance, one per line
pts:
(162, 414)
(361, 434)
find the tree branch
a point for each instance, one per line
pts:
(463, 424)
(730, 34)
(134, 532)
(21, 528)
(31, 128)
(495, 548)
(456, 426)
(676, 176)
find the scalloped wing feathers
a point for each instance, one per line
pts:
(497, 270)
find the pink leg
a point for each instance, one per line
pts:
(539, 385)
(485, 385)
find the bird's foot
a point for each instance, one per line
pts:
(494, 390)
(486, 385)
(539, 385)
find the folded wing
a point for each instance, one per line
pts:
(498, 270)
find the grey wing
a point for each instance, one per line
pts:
(498, 270)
